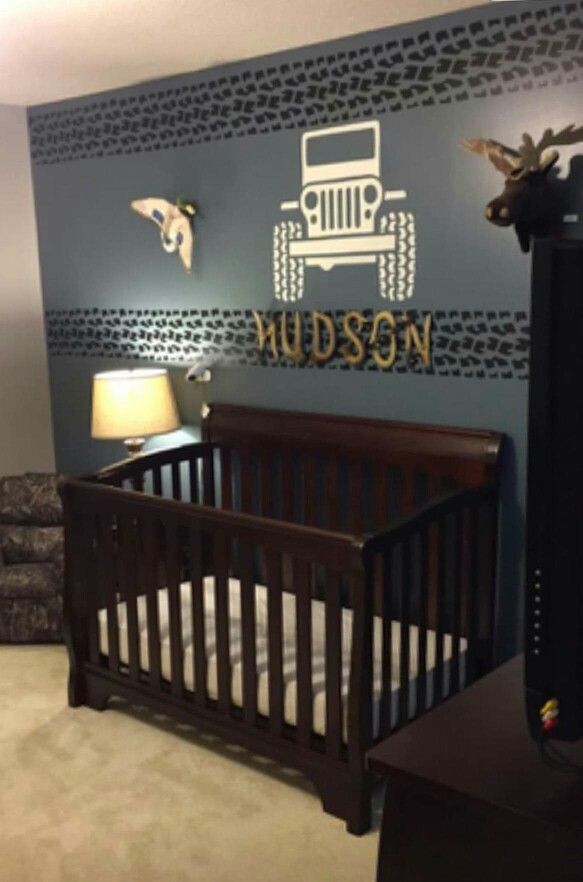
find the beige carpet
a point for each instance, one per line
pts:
(124, 795)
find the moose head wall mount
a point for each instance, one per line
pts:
(533, 198)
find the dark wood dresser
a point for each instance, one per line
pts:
(469, 798)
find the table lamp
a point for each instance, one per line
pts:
(131, 405)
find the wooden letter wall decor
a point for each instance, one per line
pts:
(354, 352)
(322, 322)
(266, 334)
(413, 339)
(290, 350)
(384, 361)
(320, 339)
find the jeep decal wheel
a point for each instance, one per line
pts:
(396, 269)
(288, 272)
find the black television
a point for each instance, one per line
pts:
(554, 521)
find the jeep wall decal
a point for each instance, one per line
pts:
(340, 217)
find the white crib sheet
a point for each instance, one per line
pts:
(289, 639)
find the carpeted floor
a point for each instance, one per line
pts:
(124, 795)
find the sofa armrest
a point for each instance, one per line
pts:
(25, 544)
(57, 557)
(31, 499)
(2, 555)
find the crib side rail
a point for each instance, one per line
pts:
(127, 546)
(184, 472)
(433, 577)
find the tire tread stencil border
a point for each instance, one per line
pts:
(494, 55)
(472, 344)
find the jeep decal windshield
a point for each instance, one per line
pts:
(340, 147)
(340, 152)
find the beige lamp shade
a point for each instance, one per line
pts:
(129, 404)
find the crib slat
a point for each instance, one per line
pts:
(310, 490)
(380, 495)
(473, 593)
(422, 624)
(88, 526)
(332, 495)
(333, 670)
(299, 490)
(137, 482)
(157, 480)
(208, 478)
(288, 487)
(355, 498)
(226, 478)
(220, 567)
(456, 600)
(360, 687)
(266, 466)
(487, 603)
(246, 480)
(176, 482)
(129, 554)
(301, 570)
(172, 552)
(193, 480)
(433, 490)
(108, 580)
(387, 647)
(150, 564)
(275, 641)
(441, 588)
(198, 616)
(248, 633)
(404, 668)
(407, 491)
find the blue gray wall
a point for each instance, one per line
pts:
(229, 139)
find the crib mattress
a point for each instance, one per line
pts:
(289, 641)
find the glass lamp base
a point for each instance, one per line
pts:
(134, 446)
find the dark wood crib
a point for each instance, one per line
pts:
(300, 584)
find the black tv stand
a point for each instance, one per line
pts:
(469, 799)
(553, 642)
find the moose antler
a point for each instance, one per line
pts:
(505, 159)
(533, 155)
(532, 199)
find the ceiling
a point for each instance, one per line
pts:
(54, 49)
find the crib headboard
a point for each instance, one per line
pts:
(305, 454)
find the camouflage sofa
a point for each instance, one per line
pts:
(31, 559)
